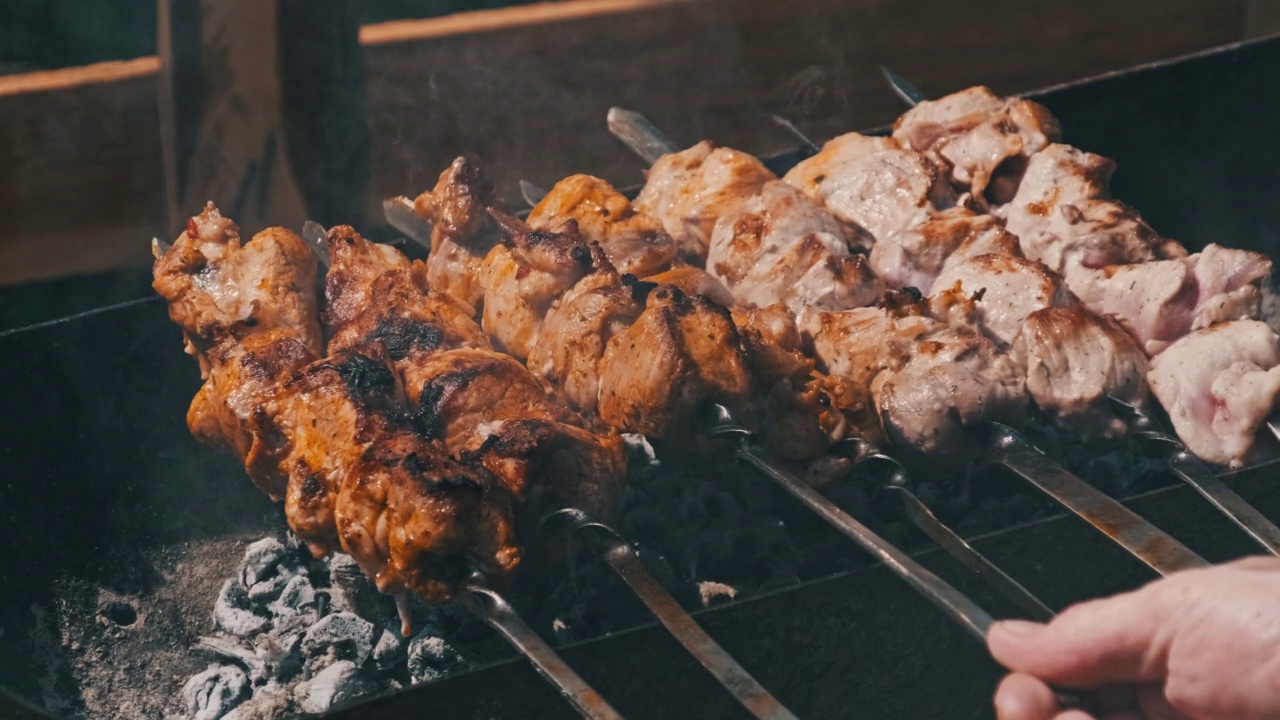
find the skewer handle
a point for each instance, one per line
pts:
(1195, 473)
(503, 618)
(1148, 543)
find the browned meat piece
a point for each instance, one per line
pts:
(414, 518)
(523, 276)
(1074, 360)
(462, 231)
(1057, 175)
(690, 190)
(634, 241)
(217, 288)
(1005, 289)
(1219, 385)
(681, 352)
(782, 247)
(986, 140)
(578, 327)
(871, 184)
(929, 380)
(934, 241)
(487, 406)
(1160, 301)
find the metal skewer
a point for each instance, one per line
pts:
(499, 615)
(903, 87)
(495, 610)
(952, 602)
(531, 193)
(810, 146)
(1148, 543)
(1200, 476)
(624, 560)
(919, 514)
(642, 136)
(401, 216)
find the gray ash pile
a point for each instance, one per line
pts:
(293, 634)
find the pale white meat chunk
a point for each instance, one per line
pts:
(915, 255)
(872, 184)
(1073, 360)
(782, 247)
(1159, 302)
(1095, 234)
(985, 139)
(1006, 289)
(689, 190)
(1057, 175)
(1219, 385)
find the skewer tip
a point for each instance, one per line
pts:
(400, 215)
(314, 235)
(159, 248)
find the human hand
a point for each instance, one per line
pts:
(1199, 645)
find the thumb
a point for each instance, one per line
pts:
(1092, 644)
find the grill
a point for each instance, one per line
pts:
(118, 529)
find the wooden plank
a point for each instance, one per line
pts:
(526, 89)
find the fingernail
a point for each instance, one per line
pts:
(1018, 628)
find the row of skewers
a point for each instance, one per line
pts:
(433, 413)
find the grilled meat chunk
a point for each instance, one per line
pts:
(1219, 385)
(217, 288)
(1159, 302)
(690, 190)
(634, 241)
(782, 247)
(1057, 175)
(462, 231)
(523, 276)
(693, 281)
(1005, 289)
(871, 184)
(1074, 360)
(986, 140)
(935, 240)
(680, 352)
(415, 519)
(929, 380)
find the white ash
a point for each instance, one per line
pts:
(213, 693)
(431, 657)
(338, 683)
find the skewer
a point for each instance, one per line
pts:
(500, 616)
(903, 87)
(1200, 476)
(624, 560)
(810, 146)
(1148, 543)
(919, 514)
(976, 621)
(400, 215)
(495, 610)
(531, 193)
(642, 136)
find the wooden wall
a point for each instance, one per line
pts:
(526, 88)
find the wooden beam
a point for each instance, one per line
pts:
(78, 77)
(520, 16)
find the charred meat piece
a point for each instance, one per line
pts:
(1159, 302)
(690, 190)
(934, 241)
(462, 231)
(1005, 289)
(693, 281)
(1219, 385)
(782, 247)
(1074, 360)
(871, 184)
(680, 352)
(522, 277)
(634, 241)
(986, 140)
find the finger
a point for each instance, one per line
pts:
(1092, 644)
(1022, 697)
(1073, 715)
(1256, 562)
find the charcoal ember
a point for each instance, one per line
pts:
(295, 597)
(261, 559)
(347, 635)
(232, 613)
(279, 657)
(387, 649)
(337, 683)
(213, 693)
(266, 591)
(711, 593)
(272, 701)
(432, 657)
(345, 573)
